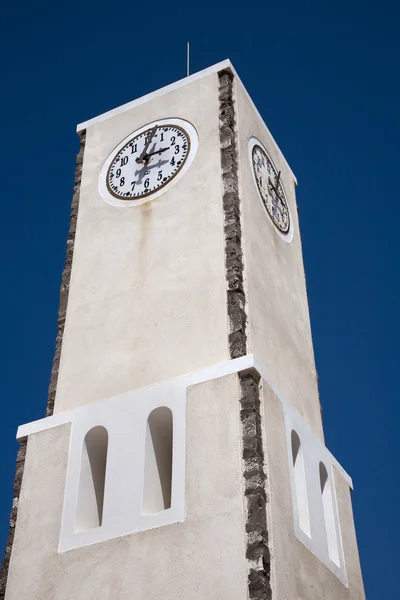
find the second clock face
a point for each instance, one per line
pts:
(270, 187)
(146, 162)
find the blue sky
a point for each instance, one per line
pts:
(325, 79)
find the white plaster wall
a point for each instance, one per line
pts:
(297, 572)
(279, 331)
(147, 299)
(203, 557)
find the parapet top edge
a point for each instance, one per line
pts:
(209, 373)
(147, 97)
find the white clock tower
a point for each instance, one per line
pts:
(182, 455)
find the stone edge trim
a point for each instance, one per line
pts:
(66, 277)
(257, 551)
(64, 291)
(21, 454)
(232, 223)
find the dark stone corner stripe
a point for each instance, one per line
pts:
(66, 275)
(257, 553)
(13, 516)
(232, 226)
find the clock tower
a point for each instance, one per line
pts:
(182, 455)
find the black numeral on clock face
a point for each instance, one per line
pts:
(124, 160)
(122, 181)
(134, 148)
(118, 173)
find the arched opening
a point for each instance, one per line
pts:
(300, 484)
(89, 513)
(157, 480)
(329, 515)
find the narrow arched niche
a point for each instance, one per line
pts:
(157, 479)
(300, 484)
(89, 513)
(329, 515)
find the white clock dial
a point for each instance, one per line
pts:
(147, 162)
(270, 188)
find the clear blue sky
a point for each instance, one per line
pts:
(325, 77)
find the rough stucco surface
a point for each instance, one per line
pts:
(279, 331)
(147, 292)
(310, 579)
(203, 557)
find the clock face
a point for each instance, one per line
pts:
(148, 161)
(270, 188)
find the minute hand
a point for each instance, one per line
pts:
(275, 186)
(149, 138)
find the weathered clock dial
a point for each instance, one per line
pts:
(270, 187)
(145, 163)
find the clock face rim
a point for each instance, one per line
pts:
(193, 143)
(287, 236)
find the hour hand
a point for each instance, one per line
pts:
(147, 156)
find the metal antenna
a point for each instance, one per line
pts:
(187, 59)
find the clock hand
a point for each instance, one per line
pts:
(141, 172)
(155, 152)
(147, 144)
(270, 184)
(276, 186)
